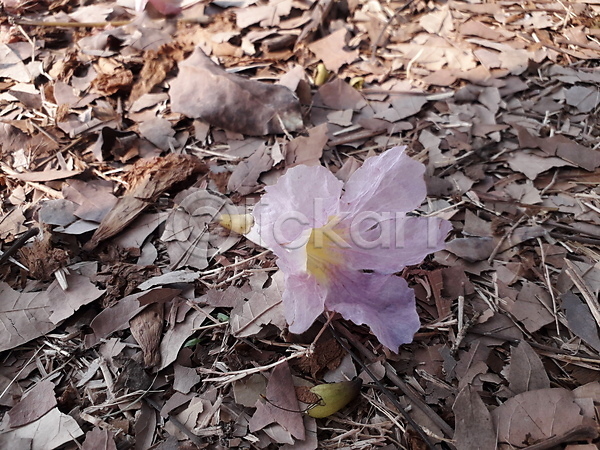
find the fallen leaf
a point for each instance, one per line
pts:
(533, 416)
(532, 164)
(263, 307)
(191, 233)
(115, 318)
(268, 15)
(580, 319)
(94, 198)
(47, 433)
(99, 439)
(583, 98)
(244, 179)
(248, 391)
(176, 336)
(532, 307)
(12, 65)
(146, 329)
(338, 94)
(526, 371)
(561, 147)
(472, 248)
(33, 405)
(331, 50)
(474, 426)
(184, 378)
(307, 150)
(231, 102)
(282, 406)
(28, 315)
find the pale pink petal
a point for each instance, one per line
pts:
(383, 302)
(303, 301)
(394, 244)
(391, 182)
(304, 198)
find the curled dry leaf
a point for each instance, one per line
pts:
(205, 91)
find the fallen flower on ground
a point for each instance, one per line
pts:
(340, 246)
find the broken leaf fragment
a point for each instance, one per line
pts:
(334, 396)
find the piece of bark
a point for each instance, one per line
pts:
(148, 179)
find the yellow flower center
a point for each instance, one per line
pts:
(323, 250)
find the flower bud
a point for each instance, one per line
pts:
(240, 223)
(334, 396)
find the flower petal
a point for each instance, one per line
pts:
(383, 302)
(394, 244)
(303, 301)
(303, 198)
(390, 182)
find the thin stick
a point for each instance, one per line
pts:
(20, 242)
(391, 374)
(380, 385)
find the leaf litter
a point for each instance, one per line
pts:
(131, 318)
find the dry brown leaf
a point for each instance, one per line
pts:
(580, 320)
(244, 179)
(268, 15)
(146, 328)
(474, 426)
(247, 391)
(12, 64)
(532, 307)
(585, 99)
(157, 63)
(533, 416)
(332, 50)
(561, 147)
(532, 164)
(184, 378)
(472, 248)
(99, 439)
(94, 198)
(115, 318)
(338, 94)
(263, 307)
(33, 314)
(47, 433)
(307, 150)
(282, 406)
(526, 371)
(175, 336)
(204, 90)
(191, 232)
(33, 405)
(45, 175)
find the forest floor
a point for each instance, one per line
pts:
(129, 320)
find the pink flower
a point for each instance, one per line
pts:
(339, 246)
